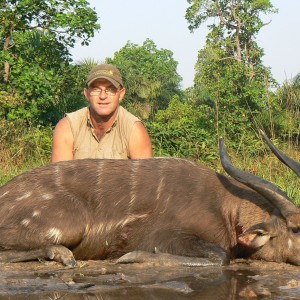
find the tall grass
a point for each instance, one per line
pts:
(267, 166)
(23, 147)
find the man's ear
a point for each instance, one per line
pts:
(122, 94)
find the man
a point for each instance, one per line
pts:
(104, 129)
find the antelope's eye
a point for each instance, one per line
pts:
(295, 230)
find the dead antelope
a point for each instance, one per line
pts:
(126, 209)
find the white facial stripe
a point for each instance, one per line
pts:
(290, 244)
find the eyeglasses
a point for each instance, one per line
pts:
(110, 91)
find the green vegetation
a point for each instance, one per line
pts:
(35, 37)
(151, 81)
(233, 94)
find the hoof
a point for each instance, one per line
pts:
(61, 254)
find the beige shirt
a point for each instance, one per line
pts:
(115, 142)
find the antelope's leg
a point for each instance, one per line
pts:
(197, 253)
(57, 253)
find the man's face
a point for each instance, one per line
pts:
(104, 97)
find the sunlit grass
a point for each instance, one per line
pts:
(30, 147)
(270, 168)
(22, 148)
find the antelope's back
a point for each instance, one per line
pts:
(106, 180)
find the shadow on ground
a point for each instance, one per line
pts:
(107, 280)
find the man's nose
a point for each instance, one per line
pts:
(102, 94)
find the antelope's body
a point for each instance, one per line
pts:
(101, 209)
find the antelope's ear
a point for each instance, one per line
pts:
(256, 236)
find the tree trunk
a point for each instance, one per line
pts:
(5, 49)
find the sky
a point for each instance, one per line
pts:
(163, 22)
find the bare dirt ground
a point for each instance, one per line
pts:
(106, 280)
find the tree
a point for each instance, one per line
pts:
(71, 95)
(35, 37)
(239, 23)
(150, 76)
(63, 20)
(229, 68)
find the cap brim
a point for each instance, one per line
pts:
(114, 82)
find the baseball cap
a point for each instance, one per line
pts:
(105, 71)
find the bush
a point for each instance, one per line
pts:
(184, 130)
(22, 147)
